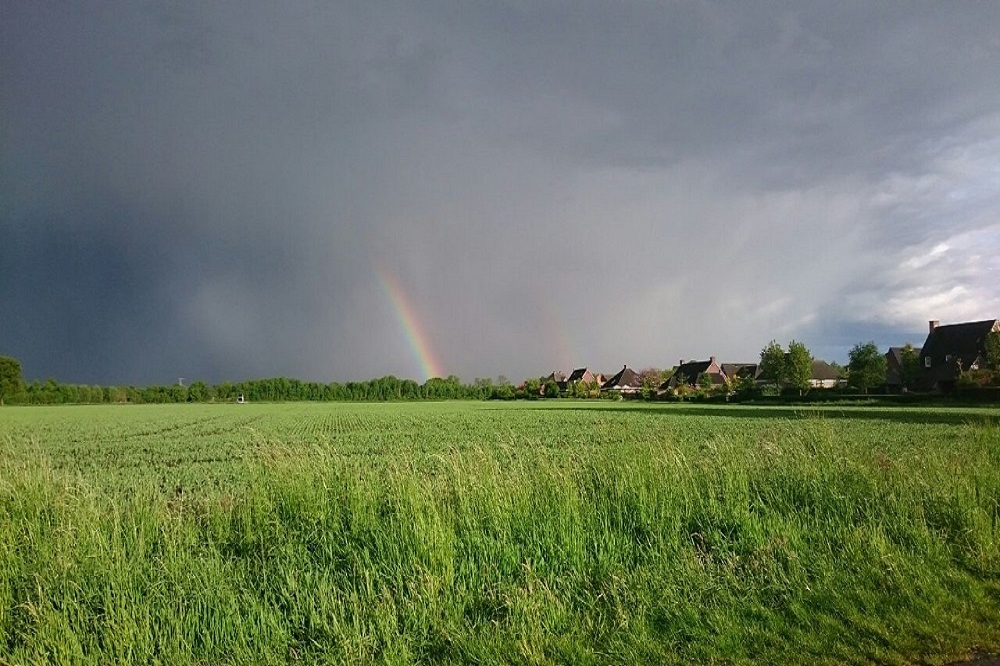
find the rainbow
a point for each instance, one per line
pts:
(415, 334)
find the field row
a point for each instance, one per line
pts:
(212, 445)
(497, 533)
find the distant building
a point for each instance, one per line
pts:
(953, 349)
(895, 373)
(731, 370)
(824, 375)
(583, 377)
(627, 381)
(558, 377)
(689, 374)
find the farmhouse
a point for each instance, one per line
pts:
(731, 370)
(953, 349)
(558, 377)
(625, 382)
(584, 379)
(823, 375)
(582, 375)
(690, 373)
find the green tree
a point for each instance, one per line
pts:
(551, 389)
(532, 388)
(198, 392)
(798, 366)
(705, 382)
(10, 377)
(739, 386)
(993, 351)
(772, 364)
(910, 361)
(866, 367)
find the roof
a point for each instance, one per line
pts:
(823, 371)
(895, 354)
(894, 369)
(579, 374)
(625, 377)
(739, 369)
(954, 348)
(688, 373)
(947, 346)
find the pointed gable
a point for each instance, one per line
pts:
(626, 380)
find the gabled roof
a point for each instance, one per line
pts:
(739, 369)
(952, 343)
(954, 348)
(626, 377)
(895, 355)
(822, 371)
(688, 373)
(969, 337)
(894, 365)
(581, 374)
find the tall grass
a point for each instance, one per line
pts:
(782, 543)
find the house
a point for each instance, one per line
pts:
(740, 370)
(823, 375)
(952, 349)
(689, 374)
(556, 376)
(895, 372)
(583, 375)
(625, 382)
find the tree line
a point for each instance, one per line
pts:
(13, 390)
(778, 370)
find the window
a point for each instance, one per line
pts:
(927, 361)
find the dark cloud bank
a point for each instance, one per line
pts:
(211, 191)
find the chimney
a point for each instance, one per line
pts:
(932, 324)
(711, 360)
(681, 362)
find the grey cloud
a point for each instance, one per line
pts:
(552, 185)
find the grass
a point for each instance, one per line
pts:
(564, 532)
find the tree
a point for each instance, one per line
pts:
(532, 388)
(798, 366)
(739, 386)
(650, 380)
(651, 377)
(866, 367)
(198, 392)
(993, 351)
(910, 361)
(772, 364)
(10, 377)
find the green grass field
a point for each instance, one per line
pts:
(557, 532)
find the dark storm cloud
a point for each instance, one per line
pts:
(209, 190)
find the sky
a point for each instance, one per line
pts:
(342, 191)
